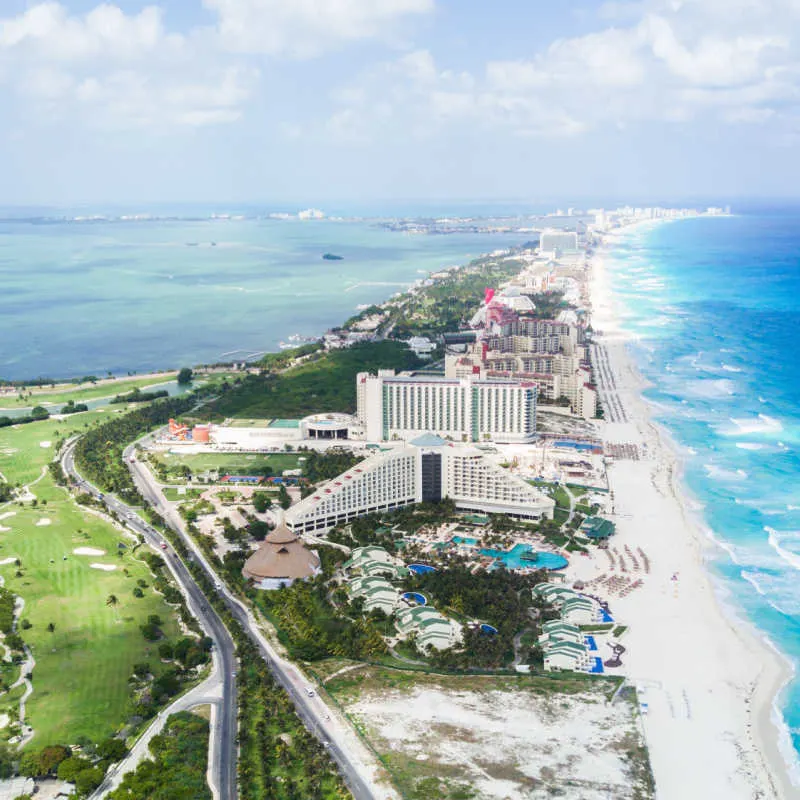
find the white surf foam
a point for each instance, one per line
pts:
(722, 474)
(777, 539)
(752, 425)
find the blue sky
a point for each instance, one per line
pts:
(308, 101)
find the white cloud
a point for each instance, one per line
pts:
(46, 31)
(304, 28)
(111, 70)
(736, 61)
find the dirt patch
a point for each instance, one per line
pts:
(502, 741)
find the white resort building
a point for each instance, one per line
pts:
(428, 469)
(376, 591)
(432, 629)
(465, 410)
(374, 560)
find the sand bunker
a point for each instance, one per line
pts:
(9, 560)
(8, 514)
(104, 567)
(43, 522)
(4, 529)
(88, 551)
(45, 443)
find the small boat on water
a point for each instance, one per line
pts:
(332, 257)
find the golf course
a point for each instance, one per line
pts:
(76, 573)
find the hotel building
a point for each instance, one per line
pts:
(428, 469)
(464, 409)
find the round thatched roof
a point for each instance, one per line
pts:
(281, 555)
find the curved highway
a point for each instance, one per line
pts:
(223, 761)
(309, 707)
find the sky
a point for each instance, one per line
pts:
(308, 101)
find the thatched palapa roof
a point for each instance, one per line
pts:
(281, 555)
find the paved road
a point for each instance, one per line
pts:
(310, 708)
(225, 730)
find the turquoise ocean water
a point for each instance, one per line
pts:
(713, 304)
(80, 298)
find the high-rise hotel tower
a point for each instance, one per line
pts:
(459, 409)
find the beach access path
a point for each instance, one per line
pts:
(707, 678)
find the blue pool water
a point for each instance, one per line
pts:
(490, 629)
(513, 559)
(420, 569)
(714, 306)
(590, 642)
(464, 540)
(597, 667)
(418, 598)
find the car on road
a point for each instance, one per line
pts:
(163, 545)
(309, 691)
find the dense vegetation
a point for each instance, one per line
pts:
(326, 382)
(37, 414)
(177, 770)
(322, 466)
(98, 452)
(311, 628)
(449, 303)
(548, 304)
(278, 758)
(74, 408)
(138, 396)
(501, 598)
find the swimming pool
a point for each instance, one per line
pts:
(597, 667)
(590, 642)
(421, 569)
(464, 540)
(486, 628)
(418, 598)
(523, 556)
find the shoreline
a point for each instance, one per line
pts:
(739, 747)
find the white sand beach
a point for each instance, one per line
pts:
(708, 679)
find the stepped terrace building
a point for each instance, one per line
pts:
(428, 469)
(432, 629)
(460, 409)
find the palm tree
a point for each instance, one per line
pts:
(112, 601)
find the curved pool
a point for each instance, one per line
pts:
(421, 569)
(523, 555)
(418, 598)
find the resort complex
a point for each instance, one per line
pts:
(426, 470)
(427, 517)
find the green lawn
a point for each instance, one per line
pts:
(234, 463)
(174, 495)
(87, 391)
(82, 668)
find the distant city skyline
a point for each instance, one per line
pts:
(252, 101)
